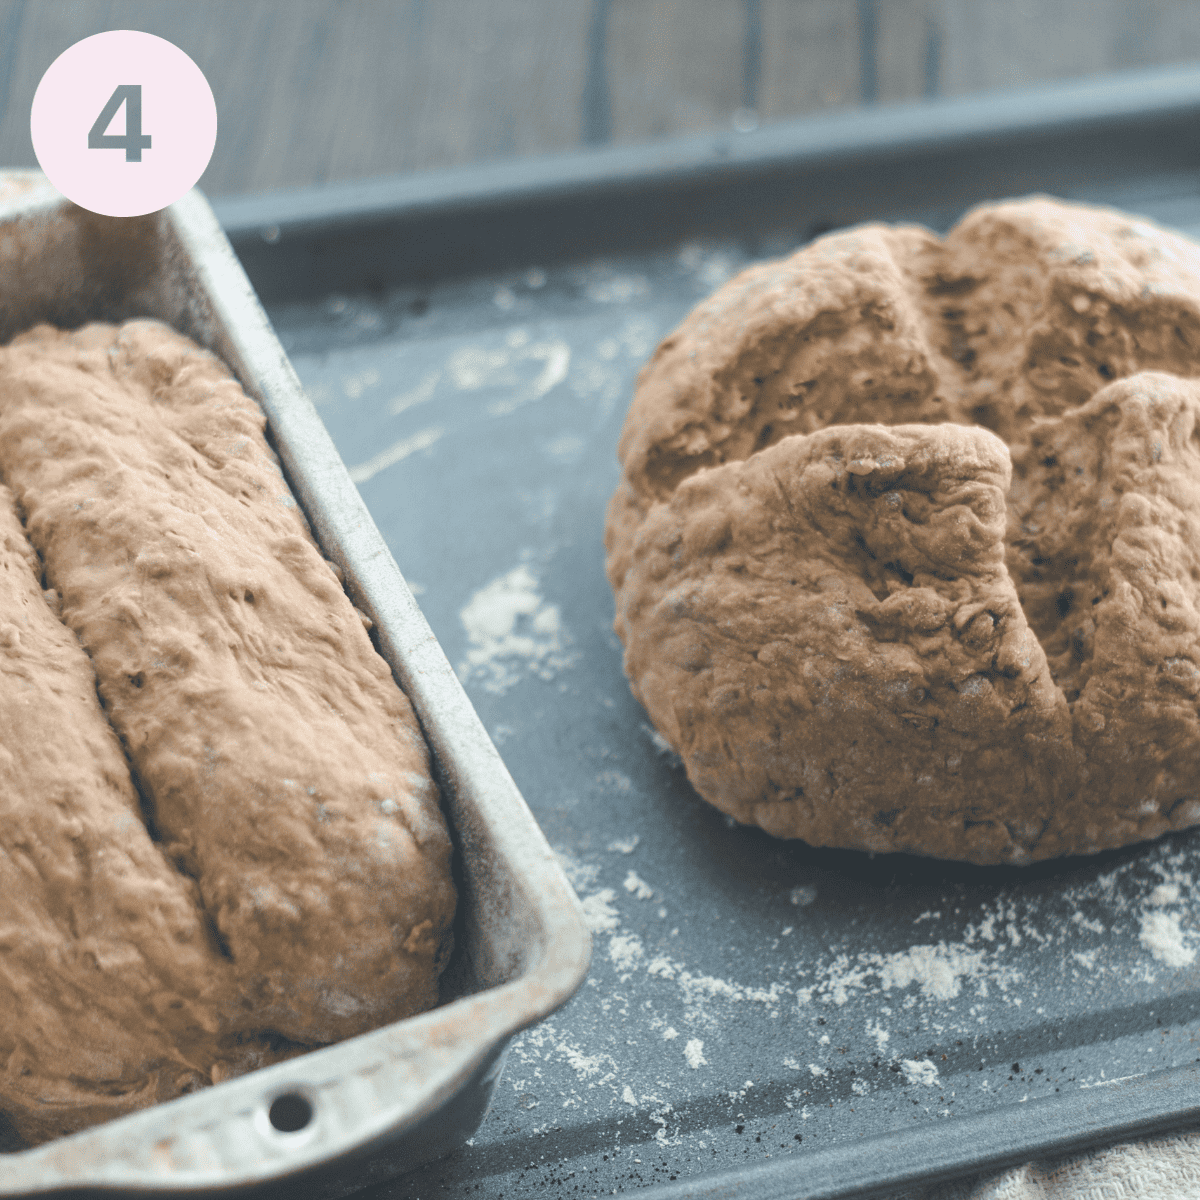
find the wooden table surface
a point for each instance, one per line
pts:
(316, 90)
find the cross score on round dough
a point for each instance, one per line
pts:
(906, 549)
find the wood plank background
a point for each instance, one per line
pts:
(316, 90)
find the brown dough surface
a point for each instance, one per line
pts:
(112, 988)
(866, 621)
(285, 770)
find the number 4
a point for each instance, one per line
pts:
(132, 141)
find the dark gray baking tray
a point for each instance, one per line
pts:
(762, 1019)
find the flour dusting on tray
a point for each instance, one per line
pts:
(512, 630)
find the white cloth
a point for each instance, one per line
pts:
(1162, 1169)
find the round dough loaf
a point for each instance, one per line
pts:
(906, 549)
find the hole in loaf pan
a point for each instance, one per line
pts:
(290, 1113)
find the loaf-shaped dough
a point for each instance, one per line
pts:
(283, 769)
(977, 643)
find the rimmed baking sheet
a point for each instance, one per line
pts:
(762, 1019)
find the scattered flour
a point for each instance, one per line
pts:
(624, 951)
(536, 1044)
(876, 1030)
(510, 626)
(567, 448)
(1077, 918)
(919, 1071)
(661, 744)
(659, 1117)
(395, 453)
(1162, 936)
(556, 357)
(638, 886)
(716, 271)
(580, 875)
(419, 395)
(936, 969)
(1113, 1082)
(355, 384)
(507, 369)
(617, 289)
(599, 914)
(615, 781)
(711, 267)
(1165, 893)
(803, 896)
(932, 975)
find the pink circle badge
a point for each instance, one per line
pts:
(123, 123)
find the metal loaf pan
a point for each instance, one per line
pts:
(401, 1095)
